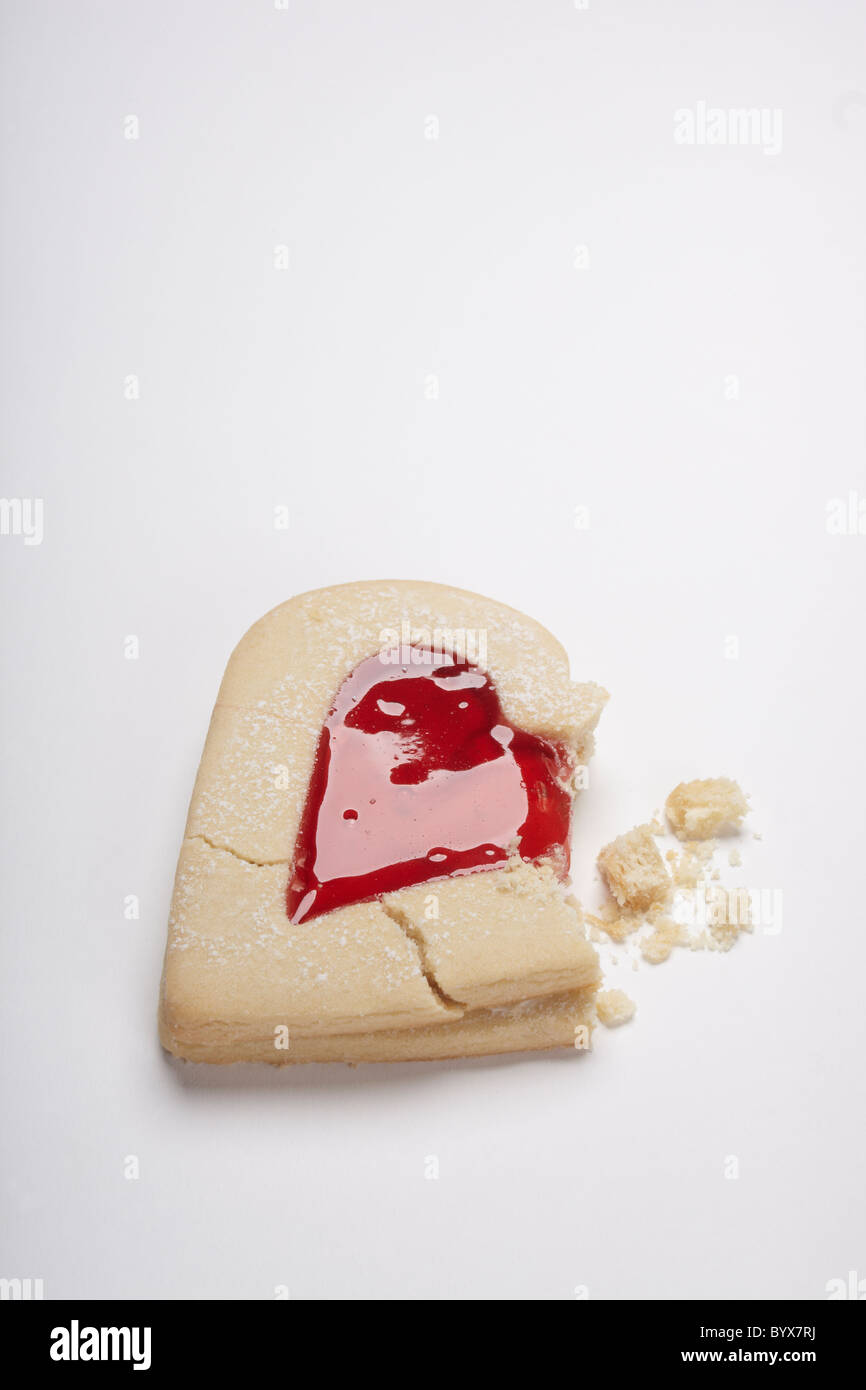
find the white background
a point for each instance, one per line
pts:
(694, 377)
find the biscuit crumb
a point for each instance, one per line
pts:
(729, 913)
(735, 859)
(614, 923)
(634, 871)
(666, 935)
(697, 810)
(614, 1007)
(691, 865)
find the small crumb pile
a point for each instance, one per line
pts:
(666, 934)
(642, 885)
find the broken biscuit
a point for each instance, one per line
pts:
(375, 855)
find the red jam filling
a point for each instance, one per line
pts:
(418, 776)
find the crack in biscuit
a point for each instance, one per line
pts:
(414, 935)
(244, 858)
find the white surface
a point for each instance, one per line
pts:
(602, 387)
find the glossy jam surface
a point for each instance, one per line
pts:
(419, 776)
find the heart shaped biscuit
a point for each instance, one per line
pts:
(375, 854)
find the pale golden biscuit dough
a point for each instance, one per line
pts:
(236, 968)
(233, 957)
(634, 871)
(698, 810)
(559, 1021)
(499, 936)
